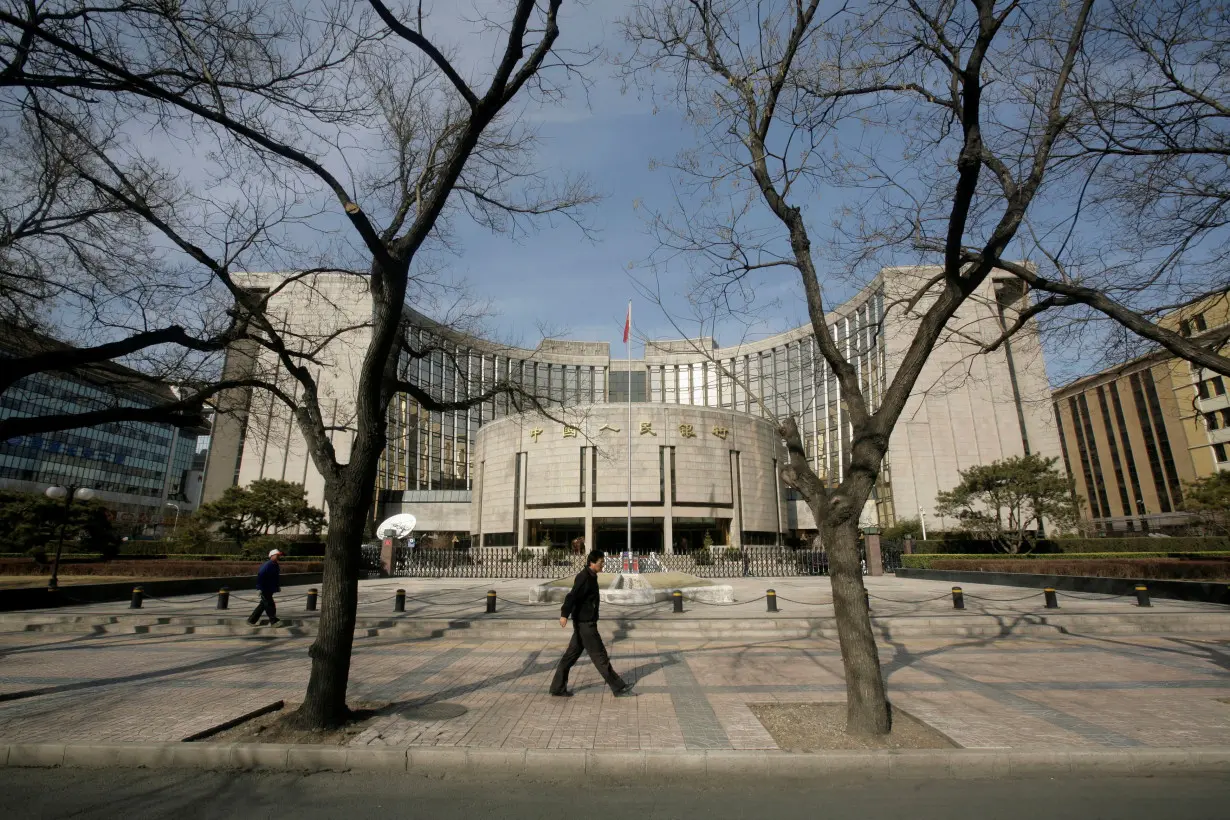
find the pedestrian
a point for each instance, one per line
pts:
(268, 581)
(582, 605)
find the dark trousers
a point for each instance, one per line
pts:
(266, 605)
(585, 638)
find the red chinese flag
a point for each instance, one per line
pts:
(628, 323)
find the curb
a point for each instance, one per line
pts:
(631, 766)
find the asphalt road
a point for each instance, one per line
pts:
(134, 793)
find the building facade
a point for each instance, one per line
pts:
(143, 472)
(1134, 434)
(968, 408)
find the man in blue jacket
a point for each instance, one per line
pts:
(268, 581)
(582, 605)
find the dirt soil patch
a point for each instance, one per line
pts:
(274, 727)
(818, 727)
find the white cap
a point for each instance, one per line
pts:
(274, 552)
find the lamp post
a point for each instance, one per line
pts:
(68, 494)
(922, 519)
(175, 526)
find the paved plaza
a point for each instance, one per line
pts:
(471, 684)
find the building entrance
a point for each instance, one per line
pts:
(611, 534)
(557, 533)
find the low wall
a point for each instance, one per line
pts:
(40, 598)
(1179, 590)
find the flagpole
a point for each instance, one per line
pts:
(628, 353)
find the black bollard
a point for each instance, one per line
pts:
(138, 595)
(867, 599)
(958, 598)
(677, 598)
(224, 598)
(1142, 595)
(490, 601)
(399, 602)
(770, 598)
(311, 600)
(1051, 601)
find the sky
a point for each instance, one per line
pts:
(575, 287)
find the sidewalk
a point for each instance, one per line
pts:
(1074, 692)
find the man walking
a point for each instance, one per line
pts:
(582, 605)
(268, 581)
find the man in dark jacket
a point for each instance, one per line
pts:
(268, 581)
(582, 605)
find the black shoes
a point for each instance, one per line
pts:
(564, 694)
(624, 691)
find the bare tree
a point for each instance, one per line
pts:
(342, 141)
(1141, 226)
(786, 99)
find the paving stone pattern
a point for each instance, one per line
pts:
(1019, 692)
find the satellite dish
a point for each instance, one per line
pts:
(399, 526)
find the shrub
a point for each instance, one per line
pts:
(39, 554)
(964, 545)
(555, 557)
(732, 554)
(964, 561)
(702, 557)
(260, 546)
(525, 556)
(154, 569)
(1156, 568)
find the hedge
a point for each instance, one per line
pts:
(1068, 546)
(928, 561)
(155, 569)
(1152, 568)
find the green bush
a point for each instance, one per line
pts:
(260, 546)
(732, 554)
(39, 554)
(957, 544)
(702, 557)
(926, 561)
(525, 556)
(555, 557)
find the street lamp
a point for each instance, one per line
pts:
(922, 519)
(68, 493)
(175, 527)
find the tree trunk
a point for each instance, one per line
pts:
(324, 704)
(867, 709)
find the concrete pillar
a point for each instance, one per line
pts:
(907, 546)
(875, 562)
(388, 548)
(668, 510)
(736, 494)
(587, 466)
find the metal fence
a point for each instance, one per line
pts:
(510, 562)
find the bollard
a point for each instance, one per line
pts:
(138, 595)
(770, 598)
(224, 598)
(958, 598)
(311, 600)
(867, 599)
(1142, 595)
(677, 597)
(399, 602)
(490, 601)
(1051, 601)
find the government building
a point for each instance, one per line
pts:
(705, 455)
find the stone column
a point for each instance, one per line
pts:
(907, 546)
(668, 510)
(588, 466)
(388, 549)
(736, 493)
(875, 562)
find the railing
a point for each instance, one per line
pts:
(511, 562)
